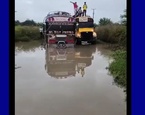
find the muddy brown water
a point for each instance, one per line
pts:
(73, 81)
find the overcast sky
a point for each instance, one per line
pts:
(38, 9)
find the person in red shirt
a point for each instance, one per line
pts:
(75, 6)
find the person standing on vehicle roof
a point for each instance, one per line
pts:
(80, 11)
(75, 6)
(85, 9)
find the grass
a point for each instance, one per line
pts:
(118, 68)
(26, 33)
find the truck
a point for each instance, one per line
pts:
(58, 28)
(85, 30)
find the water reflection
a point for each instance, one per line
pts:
(60, 63)
(38, 94)
(26, 46)
(63, 63)
(83, 58)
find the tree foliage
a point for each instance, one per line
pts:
(27, 23)
(124, 18)
(105, 21)
(17, 22)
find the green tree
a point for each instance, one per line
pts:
(17, 22)
(124, 18)
(29, 23)
(39, 24)
(105, 21)
(95, 25)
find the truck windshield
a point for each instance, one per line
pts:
(85, 25)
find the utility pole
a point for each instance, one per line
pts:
(93, 12)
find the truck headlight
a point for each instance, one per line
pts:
(94, 34)
(78, 35)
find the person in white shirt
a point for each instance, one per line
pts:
(80, 11)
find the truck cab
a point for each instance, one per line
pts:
(85, 30)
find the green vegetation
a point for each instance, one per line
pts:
(26, 33)
(118, 68)
(105, 21)
(124, 18)
(27, 23)
(112, 34)
(27, 30)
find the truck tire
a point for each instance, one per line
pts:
(94, 41)
(78, 42)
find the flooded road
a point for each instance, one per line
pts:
(73, 81)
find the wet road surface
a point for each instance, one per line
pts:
(73, 81)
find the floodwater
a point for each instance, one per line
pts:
(73, 81)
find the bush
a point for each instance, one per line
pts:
(26, 33)
(112, 34)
